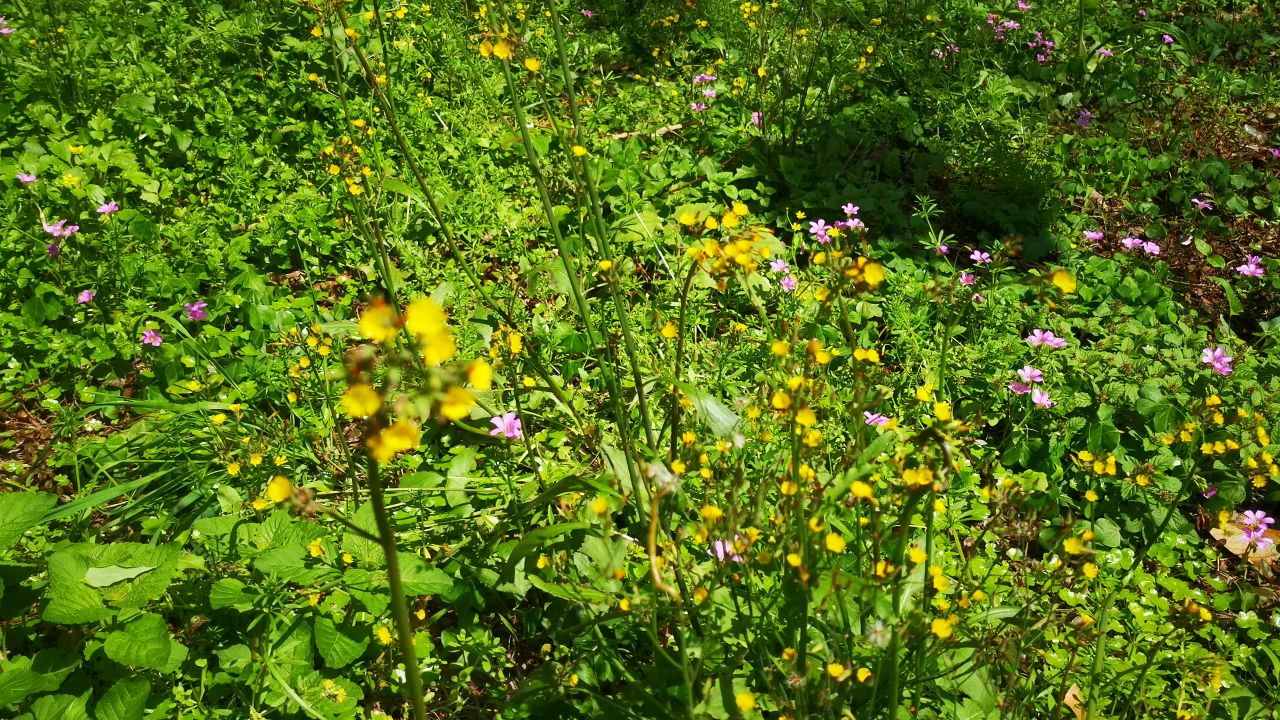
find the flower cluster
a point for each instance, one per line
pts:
(1136, 244)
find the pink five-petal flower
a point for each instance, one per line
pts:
(1041, 398)
(108, 208)
(196, 310)
(507, 426)
(1093, 235)
(788, 284)
(979, 257)
(780, 266)
(850, 209)
(85, 296)
(967, 279)
(1252, 267)
(26, 178)
(1019, 387)
(152, 338)
(1029, 374)
(1151, 248)
(875, 419)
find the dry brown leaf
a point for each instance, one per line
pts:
(1074, 701)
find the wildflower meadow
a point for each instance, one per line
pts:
(630, 359)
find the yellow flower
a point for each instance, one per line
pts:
(578, 151)
(75, 149)
(835, 669)
(745, 701)
(532, 64)
(942, 627)
(806, 416)
(788, 488)
(917, 554)
(315, 548)
(711, 513)
(401, 436)
(867, 355)
(279, 489)
(233, 469)
(687, 218)
(740, 209)
(924, 393)
(599, 506)
(863, 674)
(429, 324)
(1091, 495)
(1064, 281)
(1090, 570)
(1073, 545)
(711, 223)
(361, 400)
(456, 403)
(835, 543)
(502, 50)
(605, 265)
(378, 322)
(480, 374)
(794, 559)
(860, 490)
(780, 400)
(942, 411)
(384, 634)
(218, 419)
(669, 330)
(259, 503)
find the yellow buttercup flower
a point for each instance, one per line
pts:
(279, 489)
(361, 400)
(480, 374)
(378, 323)
(456, 404)
(1064, 281)
(401, 436)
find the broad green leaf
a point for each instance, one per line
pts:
(719, 418)
(61, 707)
(24, 676)
(339, 645)
(112, 574)
(231, 593)
(145, 643)
(422, 579)
(19, 512)
(72, 601)
(126, 700)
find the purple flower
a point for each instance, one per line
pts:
(941, 249)
(1023, 6)
(507, 426)
(698, 107)
(1029, 374)
(85, 296)
(60, 229)
(1275, 152)
(1210, 493)
(54, 249)
(1218, 359)
(850, 224)
(1142, 14)
(755, 118)
(708, 92)
(788, 284)
(1046, 338)
(967, 279)
(1041, 398)
(108, 208)
(587, 13)
(1255, 519)
(1168, 39)
(722, 550)
(875, 419)
(979, 257)
(1252, 267)
(1131, 242)
(1201, 204)
(26, 179)
(1084, 119)
(703, 78)
(1093, 235)
(152, 338)
(4, 26)
(1257, 537)
(1151, 248)
(1019, 387)
(819, 227)
(1104, 52)
(780, 266)
(850, 209)
(195, 310)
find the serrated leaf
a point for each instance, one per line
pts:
(145, 643)
(231, 593)
(19, 512)
(126, 700)
(422, 579)
(719, 418)
(339, 645)
(24, 676)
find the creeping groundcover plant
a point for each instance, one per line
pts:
(665, 359)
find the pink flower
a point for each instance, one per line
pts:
(1029, 374)
(1093, 235)
(54, 249)
(1218, 359)
(819, 227)
(703, 78)
(1131, 242)
(108, 208)
(1019, 387)
(26, 179)
(722, 550)
(788, 284)
(507, 426)
(152, 338)
(875, 419)
(196, 310)
(941, 249)
(966, 279)
(1104, 52)
(85, 297)
(1151, 248)
(755, 118)
(780, 266)
(1023, 6)
(1046, 338)
(60, 229)
(1168, 39)
(1201, 204)
(1041, 398)
(850, 209)
(979, 257)
(1252, 267)
(587, 13)
(698, 107)
(709, 92)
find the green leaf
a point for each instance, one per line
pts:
(460, 476)
(19, 512)
(112, 574)
(422, 579)
(61, 707)
(231, 593)
(24, 676)
(1107, 532)
(719, 418)
(126, 700)
(72, 601)
(339, 645)
(1233, 301)
(145, 643)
